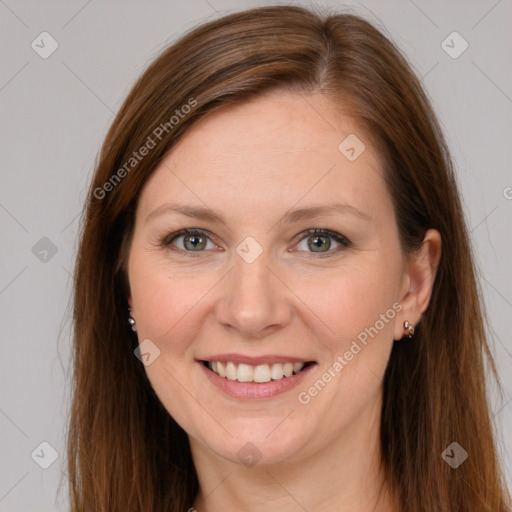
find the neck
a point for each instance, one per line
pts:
(344, 476)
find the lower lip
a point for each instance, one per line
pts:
(254, 390)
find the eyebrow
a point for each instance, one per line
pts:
(288, 218)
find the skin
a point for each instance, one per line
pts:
(252, 163)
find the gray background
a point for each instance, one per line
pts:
(55, 113)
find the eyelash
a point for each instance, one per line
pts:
(344, 242)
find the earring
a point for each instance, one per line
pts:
(131, 321)
(408, 329)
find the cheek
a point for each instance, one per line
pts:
(347, 302)
(167, 301)
(357, 311)
(358, 318)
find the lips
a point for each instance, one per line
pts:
(254, 377)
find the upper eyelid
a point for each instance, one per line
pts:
(167, 239)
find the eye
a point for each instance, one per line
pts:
(320, 241)
(192, 240)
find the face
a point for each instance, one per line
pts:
(269, 333)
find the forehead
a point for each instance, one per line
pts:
(279, 147)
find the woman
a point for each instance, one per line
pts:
(275, 299)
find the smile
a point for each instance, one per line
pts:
(260, 373)
(261, 380)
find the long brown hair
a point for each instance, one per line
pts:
(125, 452)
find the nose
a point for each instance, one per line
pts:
(255, 302)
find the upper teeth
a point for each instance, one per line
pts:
(260, 373)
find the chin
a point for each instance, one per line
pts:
(257, 443)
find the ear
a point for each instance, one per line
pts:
(418, 281)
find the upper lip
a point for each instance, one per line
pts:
(254, 361)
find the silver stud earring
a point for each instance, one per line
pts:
(131, 321)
